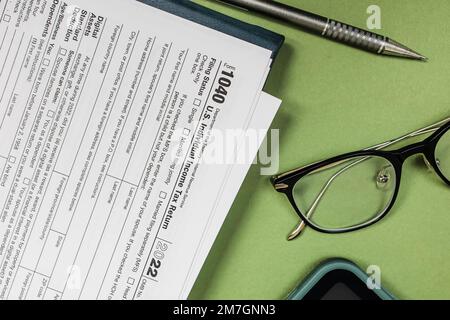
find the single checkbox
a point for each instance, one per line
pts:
(62, 51)
(186, 132)
(130, 281)
(46, 62)
(6, 18)
(197, 102)
(50, 113)
(26, 181)
(12, 159)
(162, 195)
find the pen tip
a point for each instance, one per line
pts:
(418, 56)
(393, 48)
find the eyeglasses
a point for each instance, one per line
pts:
(356, 190)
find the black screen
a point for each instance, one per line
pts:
(341, 285)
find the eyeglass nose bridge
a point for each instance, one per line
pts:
(412, 150)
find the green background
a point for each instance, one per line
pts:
(338, 99)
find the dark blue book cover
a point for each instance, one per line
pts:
(220, 22)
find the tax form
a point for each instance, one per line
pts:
(105, 108)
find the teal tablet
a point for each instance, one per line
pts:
(339, 279)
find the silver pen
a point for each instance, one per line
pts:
(329, 28)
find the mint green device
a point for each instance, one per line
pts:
(339, 279)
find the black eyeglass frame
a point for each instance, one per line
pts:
(286, 182)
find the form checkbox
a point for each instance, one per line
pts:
(46, 62)
(12, 159)
(130, 281)
(50, 113)
(186, 132)
(62, 51)
(162, 195)
(6, 18)
(26, 181)
(197, 102)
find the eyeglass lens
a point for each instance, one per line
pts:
(348, 193)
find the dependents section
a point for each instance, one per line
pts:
(97, 120)
(47, 77)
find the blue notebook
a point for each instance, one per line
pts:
(220, 22)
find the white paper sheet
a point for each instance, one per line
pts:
(265, 113)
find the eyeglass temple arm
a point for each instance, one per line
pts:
(429, 129)
(425, 130)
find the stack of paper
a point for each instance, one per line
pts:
(107, 111)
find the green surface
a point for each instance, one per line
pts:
(338, 99)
